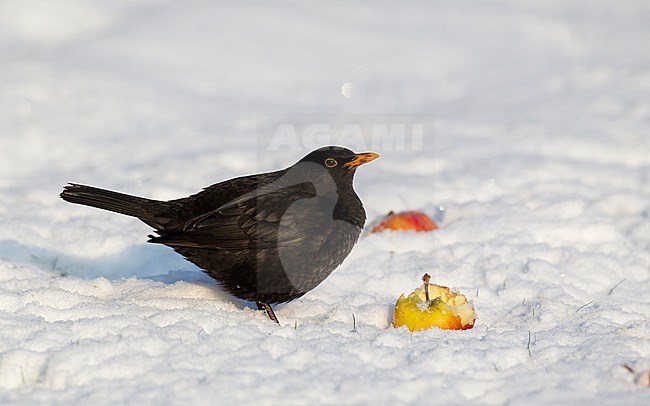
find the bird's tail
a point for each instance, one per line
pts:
(147, 210)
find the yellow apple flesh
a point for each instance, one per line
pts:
(444, 309)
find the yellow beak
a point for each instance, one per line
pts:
(361, 159)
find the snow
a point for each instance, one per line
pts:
(535, 120)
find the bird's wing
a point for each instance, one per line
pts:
(266, 218)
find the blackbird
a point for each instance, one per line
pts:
(267, 238)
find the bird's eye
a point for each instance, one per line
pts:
(330, 162)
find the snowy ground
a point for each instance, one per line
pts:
(536, 119)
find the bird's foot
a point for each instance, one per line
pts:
(269, 310)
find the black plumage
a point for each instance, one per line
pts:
(268, 238)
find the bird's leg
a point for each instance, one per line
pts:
(269, 310)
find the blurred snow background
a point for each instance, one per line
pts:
(536, 143)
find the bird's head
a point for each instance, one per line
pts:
(338, 161)
(331, 170)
